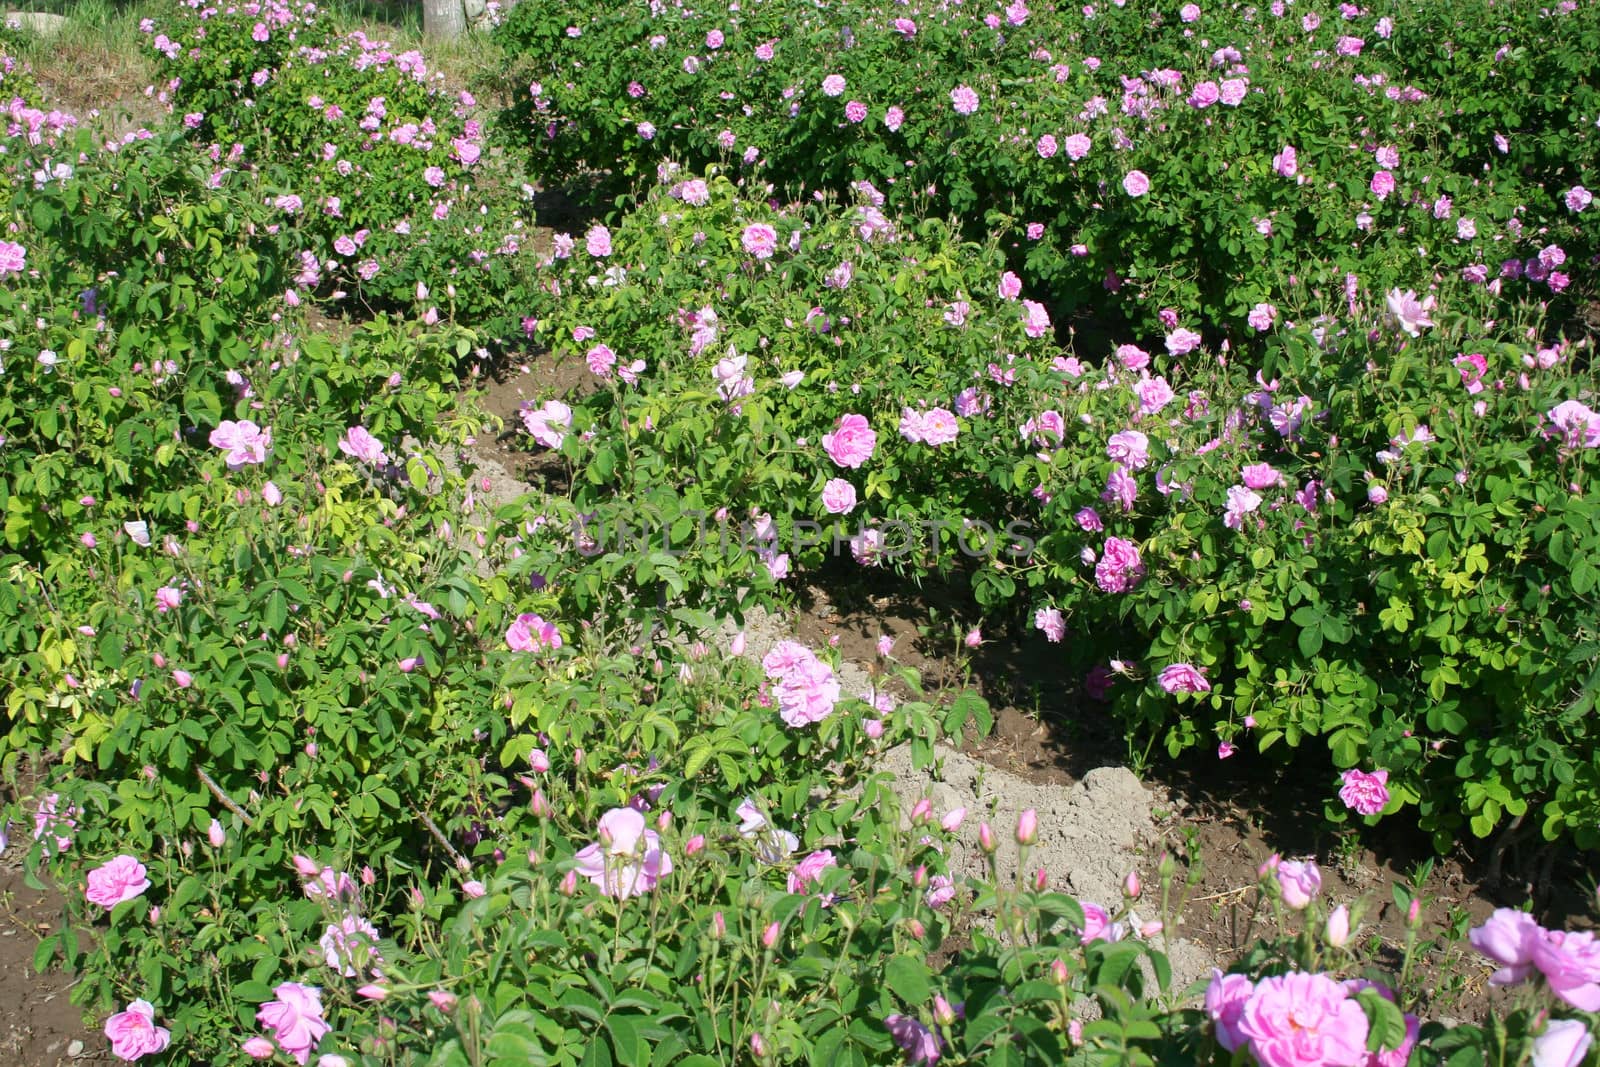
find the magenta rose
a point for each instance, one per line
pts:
(1363, 793)
(852, 441)
(1120, 569)
(118, 879)
(1299, 882)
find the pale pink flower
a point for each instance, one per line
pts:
(295, 1019)
(838, 497)
(1570, 963)
(1035, 319)
(1226, 996)
(939, 427)
(1300, 882)
(628, 860)
(1508, 938)
(964, 99)
(134, 1033)
(1136, 183)
(350, 946)
(808, 872)
(1051, 621)
(759, 240)
(1261, 476)
(359, 444)
(1182, 341)
(598, 241)
(1562, 1043)
(13, 258)
(1410, 314)
(1262, 316)
(118, 879)
(244, 442)
(852, 442)
(1301, 1020)
(548, 424)
(1129, 447)
(1579, 426)
(1120, 569)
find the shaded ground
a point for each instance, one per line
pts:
(40, 1026)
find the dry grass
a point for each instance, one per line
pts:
(98, 62)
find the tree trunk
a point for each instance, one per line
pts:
(443, 20)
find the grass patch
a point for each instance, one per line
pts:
(96, 61)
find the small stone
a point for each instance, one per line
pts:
(74, 1049)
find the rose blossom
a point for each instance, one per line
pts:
(134, 1032)
(809, 871)
(852, 442)
(628, 859)
(118, 879)
(759, 240)
(838, 497)
(1052, 623)
(1136, 183)
(1562, 1043)
(1365, 794)
(1120, 569)
(1299, 882)
(357, 443)
(530, 632)
(1297, 1019)
(1183, 678)
(295, 1018)
(1226, 997)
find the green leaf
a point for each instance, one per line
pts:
(910, 980)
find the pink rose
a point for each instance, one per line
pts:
(838, 497)
(1136, 183)
(759, 240)
(1507, 937)
(530, 632)
(295, 1019)
(1120, 569)
(1183, 678)
(1296, 1020)
(1299, 882)
(1570, 964)
(1563, 1043)
(1225, 1000)
(259, 1048)
(809, 871)
(852, 442)
(1363, 793)
(358, 444)
(628, 859)
(134, 1032)
(118, 879)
